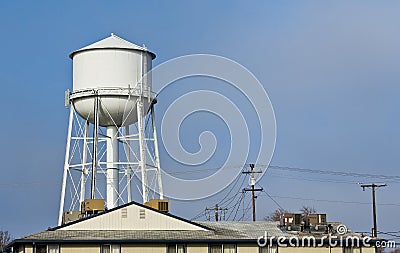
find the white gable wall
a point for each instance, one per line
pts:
(132, 217)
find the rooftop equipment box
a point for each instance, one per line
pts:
(290, 219)
(158, 204)
(92, 206)
(316, 219)
(71, 216)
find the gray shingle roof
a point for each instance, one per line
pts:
(219, 231)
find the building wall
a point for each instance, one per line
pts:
(247, 248)
(191, 248)
(368, 250)
(309, 250)
(28, 248)
(153, 248)
(75, 248)
(132, 217)
(197, 248)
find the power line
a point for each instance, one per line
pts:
(392, 232)
(217, 211)
(200, 170)
(238, 206)
(334, 201)
(5, 185)
(387, 178)
(337, 173)
(273, 200)
(245, 210)
(318, 180)
(236, 181)
(226, 201)
(387, 233)
(198, 215)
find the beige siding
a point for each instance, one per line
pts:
(93, 248)
(197, 248)
(309, 250)
(368, 250)
(320, 250)
(28, 248)
(191, 248)
(247, 248)
(336, 250)
(152, 221)
(146, 248)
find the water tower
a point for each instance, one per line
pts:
(111, 132)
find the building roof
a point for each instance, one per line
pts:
(219, 231)
(158, 227)
(113, 42)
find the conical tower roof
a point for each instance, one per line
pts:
(112, 42)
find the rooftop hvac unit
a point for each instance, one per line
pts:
(288, 219)
(319, 229)
(293, 228)
(71, 216)
(316, 219)
(92, 206)
(161, 205)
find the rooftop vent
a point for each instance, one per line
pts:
(92, 206)
(288, 219)
(161, 205)
(316, 219)
(70, 216)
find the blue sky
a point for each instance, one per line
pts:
(330, 69)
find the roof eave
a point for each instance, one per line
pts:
(71, 55)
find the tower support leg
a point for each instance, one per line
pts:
(156, 155)
(128, 171)
(66, 165)
(112, 167)
(142, 150)
(84, 160)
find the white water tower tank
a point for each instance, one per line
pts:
(111, 69)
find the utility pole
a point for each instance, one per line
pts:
(253, 189)
(373, 186)
(217, 209)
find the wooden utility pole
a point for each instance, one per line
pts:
(216, 209)
(373, 186)
(253, 189)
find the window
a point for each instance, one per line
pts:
(51, 248)
(351, 250)
(229, 248)
(176, 248)
(19, 249)
(269, 249)
(216, 248)
(110, 248)
(222, 248)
